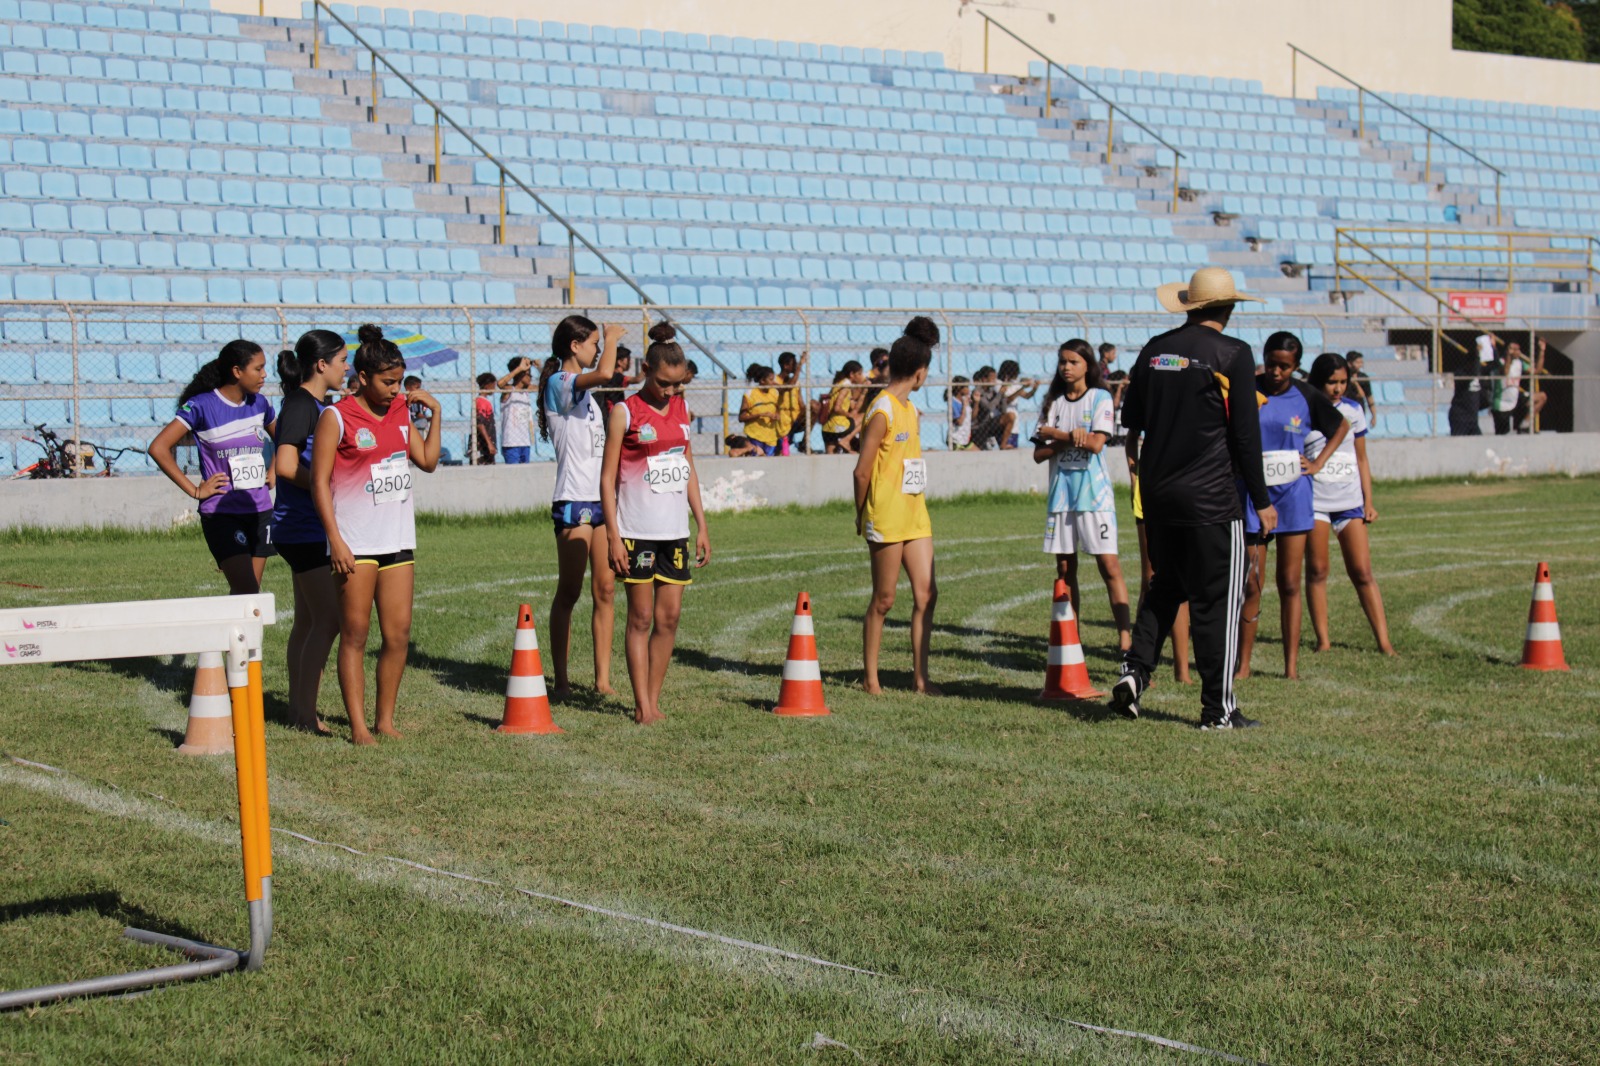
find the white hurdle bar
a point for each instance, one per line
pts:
(232, 625)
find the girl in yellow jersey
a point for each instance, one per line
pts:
(891, 506)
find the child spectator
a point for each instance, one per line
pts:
(758, 412)
(1359, 387)
(420, 416)
(840, 419)
(1013, 387)
(516, 411)
(739, 447)
(482, 443)
(792, 428)
(987, 408)
(960, 404)
(622, 380)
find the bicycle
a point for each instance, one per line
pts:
(59, 461)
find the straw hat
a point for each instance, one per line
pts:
(1209, 287)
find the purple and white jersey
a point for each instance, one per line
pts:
(230, 438)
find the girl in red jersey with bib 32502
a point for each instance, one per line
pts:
(648, 487)
(361, 461)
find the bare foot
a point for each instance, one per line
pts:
(605, 689)
(1389, 651)
(1182, 677)
(390, 731)
(1291, 674)
(363, 739)
(1241, 673)
(315, 727)
(1322, 647)
(644, 717)
(871, 687)
(560, 692)
(928, 688)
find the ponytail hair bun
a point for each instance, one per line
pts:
(663, 333)
(923, 330)
(664, 349)
(369, 334)
(376, 354)
(289, 371)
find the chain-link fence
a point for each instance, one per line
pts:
(111, 374)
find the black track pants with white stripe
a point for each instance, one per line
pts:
(1206, 566)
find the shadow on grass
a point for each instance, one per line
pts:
(105, 904)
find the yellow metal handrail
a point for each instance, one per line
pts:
(1112, 108)
(1499, 247)
(574, 238)
(1362, 92)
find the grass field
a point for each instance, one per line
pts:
(1401, 867)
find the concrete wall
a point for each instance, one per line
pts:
(742, 484)
(1391, 45)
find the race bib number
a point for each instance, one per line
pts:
(597, 440)
(667, 473)
(391, 481)
(247, 471)
(1340, 470)
(1075, 459)
(914, 478)
(1281, 468)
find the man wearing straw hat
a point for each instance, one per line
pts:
(1192, 397)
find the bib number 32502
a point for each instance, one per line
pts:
(247, 471)
(914, 478)
(667, 473)
(391, 481)
(1281, 468)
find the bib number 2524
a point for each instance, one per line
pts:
(667, 473)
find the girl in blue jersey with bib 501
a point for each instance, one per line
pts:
(1289, 409)
(1078, 420)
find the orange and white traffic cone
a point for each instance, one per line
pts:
(210, 729)
(1066, 675)
(801, 693)
(527, 704)
(1542, 649)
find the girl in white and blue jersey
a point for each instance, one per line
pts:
(582, 358)
(1342, 503)
(1079, 418)
(223, 410)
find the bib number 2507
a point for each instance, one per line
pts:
(914, 478)
(667, 473)
(391, 481)
(247, 471)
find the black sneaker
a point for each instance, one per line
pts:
(1220, 723)
(1239, 721)
(1125, 695)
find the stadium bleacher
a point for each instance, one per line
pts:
(160, 154)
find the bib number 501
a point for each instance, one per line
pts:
(1281, 468)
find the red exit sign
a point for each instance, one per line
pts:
(1480, 305)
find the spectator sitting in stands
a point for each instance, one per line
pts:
(1510, 394)
(1359, 388)
(877, 377)
(1011, 390)
(758, 412)
(988, 408)
(792, 427)
(1113, 381)
(738, 448)
(420, 416)
(840, 416)
(959, 401)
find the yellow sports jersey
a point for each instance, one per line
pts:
(788, 410)
(897, 506)
(762, 402)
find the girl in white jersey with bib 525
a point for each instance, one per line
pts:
(361, 460)
(648, 488)
(581, 359)
(1342, 502)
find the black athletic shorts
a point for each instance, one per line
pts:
(304, 557)
(388, 560)
(657, 560)
(228, 535)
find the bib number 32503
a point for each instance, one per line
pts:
(391, 481)
(247, 471)
(667, 473)
(914, 478)
(1281, 468)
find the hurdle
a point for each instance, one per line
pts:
(232, 625)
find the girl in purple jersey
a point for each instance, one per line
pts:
(223, 410)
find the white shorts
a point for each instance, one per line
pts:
(1093, 532)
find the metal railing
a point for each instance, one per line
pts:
(1500, 259)
(1112, 108)
(1362, 92)
(574, 238)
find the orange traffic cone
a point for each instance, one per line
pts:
(1066, 676)
(801, 693)
(1542, 649)
(527, 705)
(210, 729)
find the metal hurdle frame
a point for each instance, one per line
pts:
(232, 625)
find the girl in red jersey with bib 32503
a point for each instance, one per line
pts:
(648, 487)
(362, 456)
